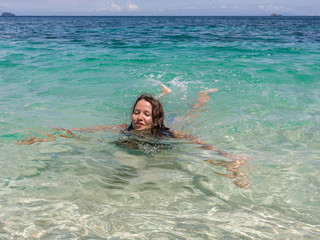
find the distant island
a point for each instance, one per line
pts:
(7, 14)
(276, 15)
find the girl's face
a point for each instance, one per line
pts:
(141, 118)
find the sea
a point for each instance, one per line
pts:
(78, 72)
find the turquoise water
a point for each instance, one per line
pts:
(87, 71)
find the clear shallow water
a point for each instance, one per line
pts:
(87, 71)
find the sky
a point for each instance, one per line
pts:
(161, 7)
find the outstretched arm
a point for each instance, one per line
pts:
(100, 128)
(50, 136)
(235, 168)
(67, 133)
(32, 139)
(204, 145)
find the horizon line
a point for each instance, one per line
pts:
(280, 15)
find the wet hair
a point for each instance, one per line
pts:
(158, 128)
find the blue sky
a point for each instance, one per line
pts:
(161, 7)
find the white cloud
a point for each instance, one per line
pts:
(107, 7)
(223, 6)
(132, 7)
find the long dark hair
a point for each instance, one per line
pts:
(157, 114)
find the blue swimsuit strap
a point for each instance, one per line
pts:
(170, 120)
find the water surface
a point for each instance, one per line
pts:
(87, 71)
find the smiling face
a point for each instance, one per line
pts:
(141, 117)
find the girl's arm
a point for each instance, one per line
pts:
(50, 137)
(207, 146)
(234, 168)
(67, 133)
(101, 128)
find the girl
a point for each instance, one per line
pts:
(147, 118)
